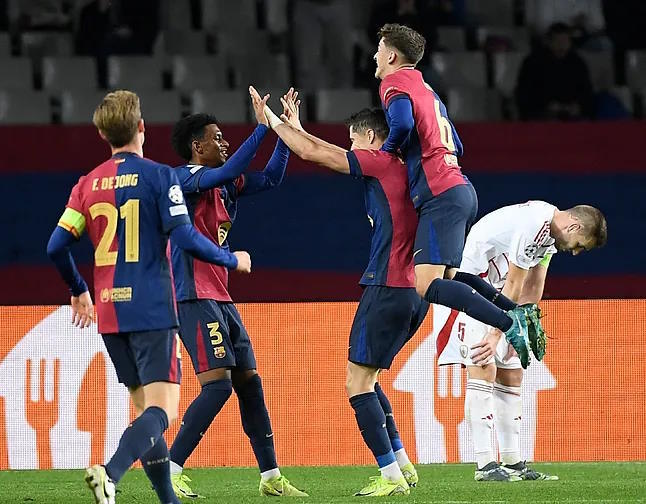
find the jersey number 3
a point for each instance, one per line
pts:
(129, 211)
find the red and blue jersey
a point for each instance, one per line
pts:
(212, 213)
(129, 205)
(392, 217)
(433, 145)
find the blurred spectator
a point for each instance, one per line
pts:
(625, 24)
(136, 26)
(4, 15)
(554, 82)
(446, 12)
(585, 17)
(413, 13)
(40, 14)
(323, 43)
(92, 28)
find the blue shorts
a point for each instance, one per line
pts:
(444, 222)
(386, 318)
(145, 357)
(214, 335)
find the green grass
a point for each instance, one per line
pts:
(580, 483)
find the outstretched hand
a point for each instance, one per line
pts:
(259, 104)
(291, 109)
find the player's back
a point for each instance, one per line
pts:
(124, 201)
(392, 217)
(432, 148)
(516, 233)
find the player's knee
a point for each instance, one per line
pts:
(241, 377)
(360, 379)
(422, 283)
(509, 377)
(485, 373)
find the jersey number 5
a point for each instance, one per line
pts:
(129, 211)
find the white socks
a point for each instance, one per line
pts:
(175, 468)
(508, 408)
(272, 473)
(392, 471)
(478, 410)
(402, 457)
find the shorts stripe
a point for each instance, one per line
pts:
(202, 360)
(173, 372)
(445, 332)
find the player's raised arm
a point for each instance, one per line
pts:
(305, 147)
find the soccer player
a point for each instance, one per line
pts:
(390, 311)
(510, 248)
(210, 325)
(129, 206)
(445, 200)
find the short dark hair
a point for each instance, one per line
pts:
(366, 119)
(559, 29)
(188, 129)
(406, 40)
(593, 223)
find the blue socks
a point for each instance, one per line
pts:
(371, 420)
(393, 433)
(157, 468)
(256, 423)
(198, 418)
(485, 289)
(137, 439)
(461, 297)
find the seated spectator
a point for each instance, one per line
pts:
(413, 13)
(554, 82)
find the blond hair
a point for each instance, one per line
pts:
(592, 222)
(117, 117)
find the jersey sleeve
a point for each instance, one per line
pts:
(391, 88)
(523, 251)
(73, 218)
(170, 200)
(189, 177)
(368, 163)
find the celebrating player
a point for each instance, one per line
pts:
(390, 311)
(445, 200)
(511, 248)
(211, 327)
(129, 205)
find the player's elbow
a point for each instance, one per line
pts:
(53, 247)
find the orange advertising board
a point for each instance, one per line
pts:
(61, 405)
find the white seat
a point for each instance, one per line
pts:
(227, 106)
(24, 107)
(69, 73)
(15, 73)
(268, 70)
(461, 68)
(506, 66)
(474, 104)
(625, 96)
(336, 105)
(189, 42)
(490, 12)
(160, 107)
(636, 69)
(516, 37)
(219, 14)
(600, 66)
(451, 38)
(195, 72)
(37, 44)
(139, 72)
(77, 107)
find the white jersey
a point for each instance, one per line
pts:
(519, 234)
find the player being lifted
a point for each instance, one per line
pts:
(210, 326)
(390, 311)
(511, 248)
(129, 206)
(445, 200)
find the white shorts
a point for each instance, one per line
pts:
(455, 333)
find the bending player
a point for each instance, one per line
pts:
(445, 200)
(129, 205)
(211, 327)
(511, 248)
(390, 311)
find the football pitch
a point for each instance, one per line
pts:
(579, 483)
